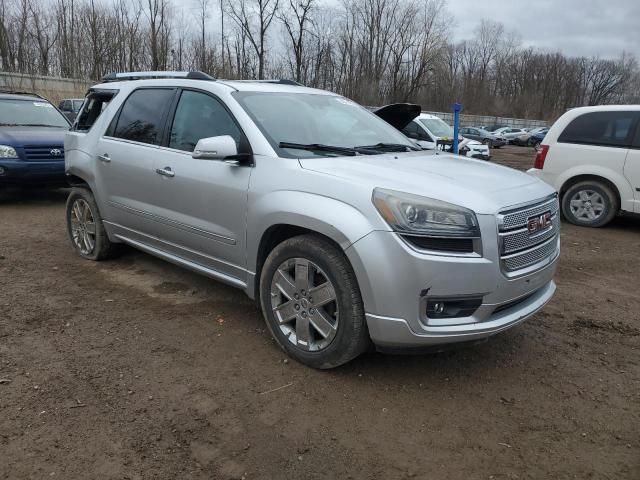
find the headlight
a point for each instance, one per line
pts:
(413, 214)
(7, 152)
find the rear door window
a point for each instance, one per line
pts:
(142, 116)
(611, 129)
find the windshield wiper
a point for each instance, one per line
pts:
(388, 147)
(319, 147)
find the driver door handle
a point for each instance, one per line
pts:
(104, 158)
(165, 172)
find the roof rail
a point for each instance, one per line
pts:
(281, 81)
(19, 92)
(118, 77)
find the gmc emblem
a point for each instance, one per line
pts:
(538, 223)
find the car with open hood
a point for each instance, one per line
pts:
(429, 131)
(345, 232)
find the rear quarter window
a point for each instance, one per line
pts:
(610, 129)
(93, 106)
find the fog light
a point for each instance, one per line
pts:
(452, 307)
(2, 170)
(438, 307)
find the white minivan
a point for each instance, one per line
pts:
(591, 156)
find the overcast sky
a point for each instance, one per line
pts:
(575, 27)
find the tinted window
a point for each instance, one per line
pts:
(601, 128)
(141, 117)
(636, 140)
(200, 116)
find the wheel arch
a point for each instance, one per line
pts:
(590, 177)
(274, 236)
(77, 181)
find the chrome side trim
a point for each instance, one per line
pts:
(172, 223)
(183, 262)
(171, 244)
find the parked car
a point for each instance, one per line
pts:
(532, 138)
(496, 126)
(509, 133)
(70, 107)
(431, 132)
(483, 136)
(536, 139)
(591, 156)
(31, 140)
(341, 226)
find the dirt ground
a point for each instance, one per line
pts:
(136, 369)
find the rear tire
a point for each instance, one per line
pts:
(590, 204)
(84, 226)
(324, 332)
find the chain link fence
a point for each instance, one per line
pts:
(489, 120)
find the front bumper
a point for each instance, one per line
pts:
(396, 280)
(16, 171)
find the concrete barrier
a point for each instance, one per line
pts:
(52, 88)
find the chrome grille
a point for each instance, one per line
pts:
(44, 153)
(520, 239)
(528, 258)
(520, 250)
(518, 217)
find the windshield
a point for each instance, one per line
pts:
(437, 127)
(77, 104)
(310, 119)
(30, 113)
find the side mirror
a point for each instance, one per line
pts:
(215, 148)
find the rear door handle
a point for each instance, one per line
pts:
(165, 172)
(104, 158)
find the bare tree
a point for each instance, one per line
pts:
(296, 20)
(243, 13)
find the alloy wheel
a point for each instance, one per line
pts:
(83, 226)
(304, 303)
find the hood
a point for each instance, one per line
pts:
(483, 187)
(32, 136)
(399, 115)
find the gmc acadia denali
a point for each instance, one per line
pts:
(345, 231)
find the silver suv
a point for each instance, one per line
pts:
(346, 232)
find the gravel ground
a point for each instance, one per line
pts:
(136, 369)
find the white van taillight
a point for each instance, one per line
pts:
(541, 156)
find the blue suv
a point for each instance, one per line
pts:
(31, 141)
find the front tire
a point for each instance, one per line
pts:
(84, 226)
(590, 204)
(311, 302)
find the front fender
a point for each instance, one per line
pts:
(339, 221)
